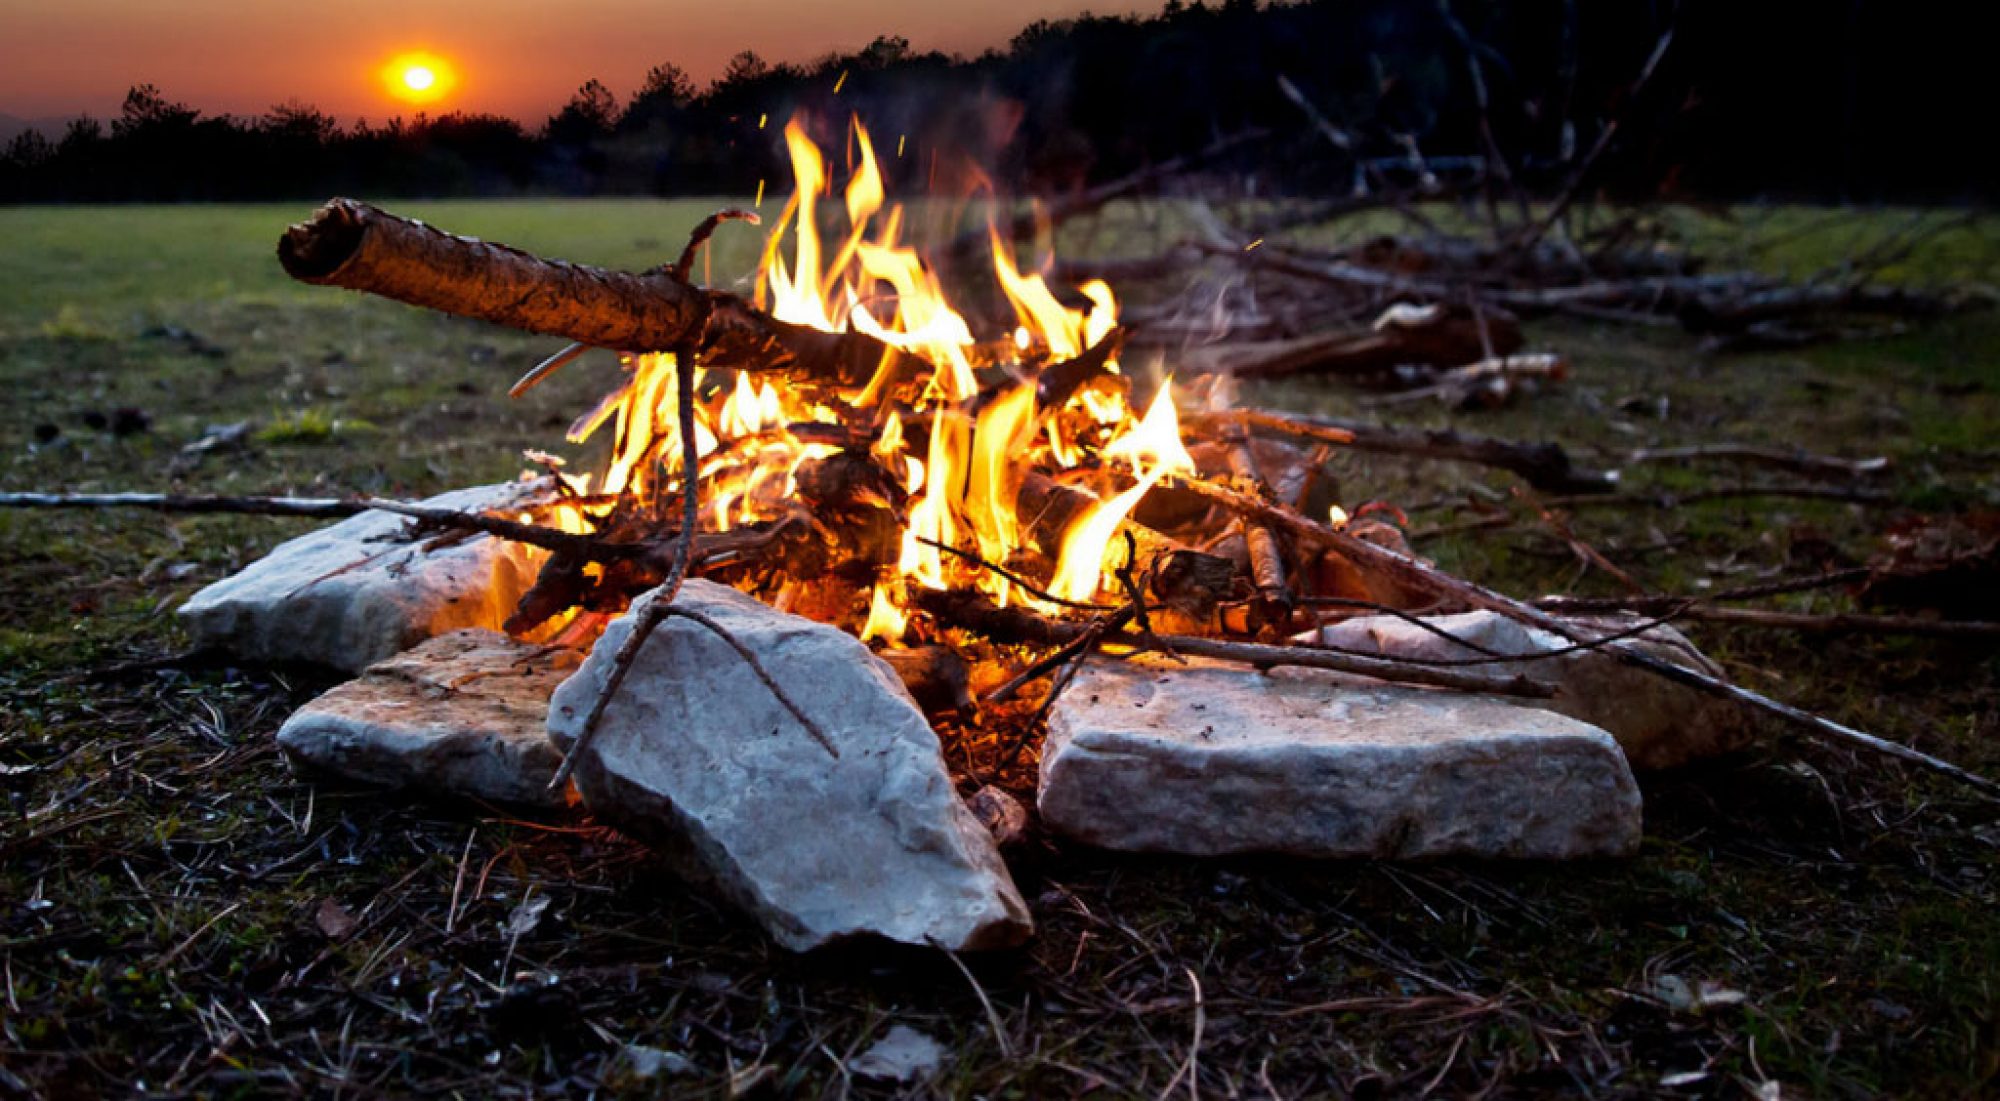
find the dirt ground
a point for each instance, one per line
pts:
(181, 915)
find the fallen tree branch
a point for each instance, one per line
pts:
(1425, 578)
(1434, 337)
(1791, 459)
(707, 545)
(320, 507)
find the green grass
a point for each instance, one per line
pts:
(161, 872)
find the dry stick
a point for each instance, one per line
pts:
(351, 244)
(1425, 578)
(1824, 623)
(1796, 461)
(1663, 602)
(1029, 626)
(536, 535)
(359, 247)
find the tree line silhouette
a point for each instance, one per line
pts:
(1798, 98)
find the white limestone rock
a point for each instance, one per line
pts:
(461, 714)
(1659, 724)
(359, 591)
(696, 756)
(1207, 759)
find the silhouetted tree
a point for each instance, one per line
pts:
(1771, 98)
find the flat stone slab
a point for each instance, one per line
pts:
(360, 591)
(461, 714)
(1659, 724)
(696, 756)
(1206, 759)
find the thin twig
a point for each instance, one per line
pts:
(818, 732)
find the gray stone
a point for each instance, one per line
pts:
(904, 1055)
(461, 714)
(696, 756)
(1207, 759)
(359, 591)
(1659, 724)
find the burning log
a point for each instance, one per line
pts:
(357, 246)
(936, 677)
(1190, 580)
(360, 247)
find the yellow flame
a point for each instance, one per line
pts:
(963, 486)
(885, 620)
(1089, 547)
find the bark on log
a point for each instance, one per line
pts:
(360, 247)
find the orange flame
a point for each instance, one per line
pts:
(979, 444)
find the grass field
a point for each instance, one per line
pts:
(165, 881)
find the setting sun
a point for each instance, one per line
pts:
(419, 78)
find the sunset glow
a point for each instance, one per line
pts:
(419, 78)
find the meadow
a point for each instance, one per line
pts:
(181, 915)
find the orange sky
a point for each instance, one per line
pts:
(515, 57)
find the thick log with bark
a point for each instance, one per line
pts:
(360, 247)
(357, 246)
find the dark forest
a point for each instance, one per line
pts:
(1862, 101)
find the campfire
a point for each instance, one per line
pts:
(866, 456)
(847, 527)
